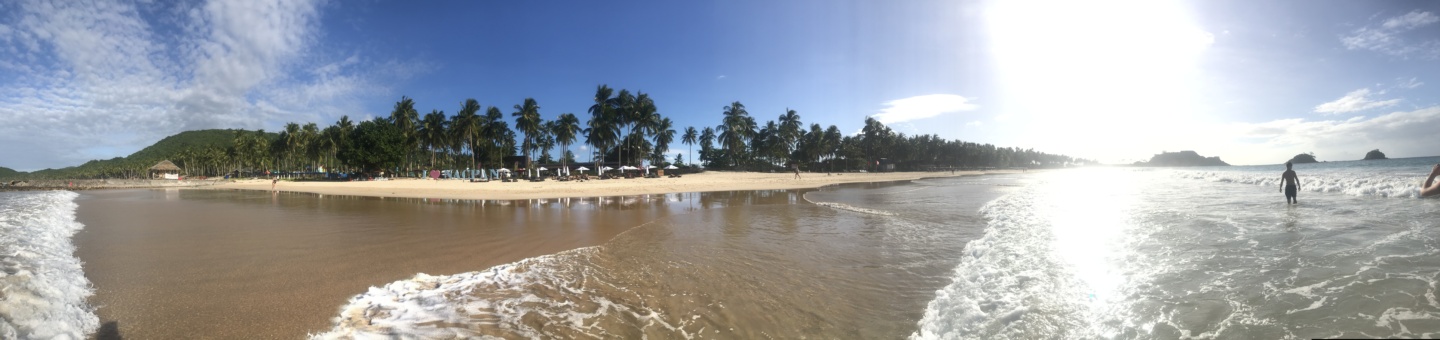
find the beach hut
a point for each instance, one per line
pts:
(165, 170)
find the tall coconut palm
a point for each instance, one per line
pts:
(527, 119)
(433, 133)
(468, 126)
(664, 134)
(790, 129)
(735, 129)
(623, 117)
(499, 139)
(404, 117)
(600, 128)
(689, 138)
(565, 129)
(707, 145)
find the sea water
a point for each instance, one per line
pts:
(42, 286)
(1202, 253)
(1129, 253)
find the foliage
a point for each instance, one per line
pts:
(8, 173)
(378, 145)
(623, 128)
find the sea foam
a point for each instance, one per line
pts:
(42, 286)
(1009, 285)
(1346, 182)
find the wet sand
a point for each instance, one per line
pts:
(239, 264)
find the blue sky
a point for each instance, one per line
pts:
(1117, 81)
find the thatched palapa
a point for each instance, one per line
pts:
(165, 169)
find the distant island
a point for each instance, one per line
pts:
(1374, 154)
(1304, 158)
(1182, 158)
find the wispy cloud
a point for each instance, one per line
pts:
(1404, 133)
(87, 80)
(1358, 100)
(1408, 83)
(1391, 37)
(919, 107)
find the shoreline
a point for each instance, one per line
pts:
(701, 182)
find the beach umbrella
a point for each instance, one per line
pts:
(671, 167)
(543, 168)
(650, 167)
(606, 168)
(582, 168)
(504, 170)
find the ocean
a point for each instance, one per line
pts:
(1099, 253)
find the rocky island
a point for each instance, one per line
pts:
(1182, 158)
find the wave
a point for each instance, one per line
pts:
(42, 286)
(557, 295)
(847, 207)
(1374, 184)
(1009, 285)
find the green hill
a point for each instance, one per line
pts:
(198, 139)
(8, 172)
(135, 164)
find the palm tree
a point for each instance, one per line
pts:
(468, 126)
(527, 119)
(707, 141)
(664, 134)
(565, 129)
(600, 128)
(689, 138)
(432, 134)
(499, 139)
(735, 129)
(404, 116)
(790, 130)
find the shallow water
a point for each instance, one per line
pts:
(860, 264)
(1126, 253)
(1211, 253)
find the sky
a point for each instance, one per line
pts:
(1114, 81)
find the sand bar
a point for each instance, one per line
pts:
(495, 190)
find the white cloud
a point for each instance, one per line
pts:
(1409, 83)
(1390, 37)
(1358, 100)
(919, 107)
(1411, 20)
(1399, 134)
(101, 79)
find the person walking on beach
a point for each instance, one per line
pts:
(1431, 187)
(796, 166)
(1290, 183)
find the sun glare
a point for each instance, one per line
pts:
(1095, 71)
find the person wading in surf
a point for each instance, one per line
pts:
(1431, 188)
(1289, 184)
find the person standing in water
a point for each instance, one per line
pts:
(1431, 187)
(1289, 184)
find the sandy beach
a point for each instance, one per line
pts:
(495, 190)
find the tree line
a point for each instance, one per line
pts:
(622, 128)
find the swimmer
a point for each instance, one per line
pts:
(1289, 184)
(1431, 188)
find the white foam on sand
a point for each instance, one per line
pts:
(42, 286)
(541, 297)
(1008, 284)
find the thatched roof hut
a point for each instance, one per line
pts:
(163, 168)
